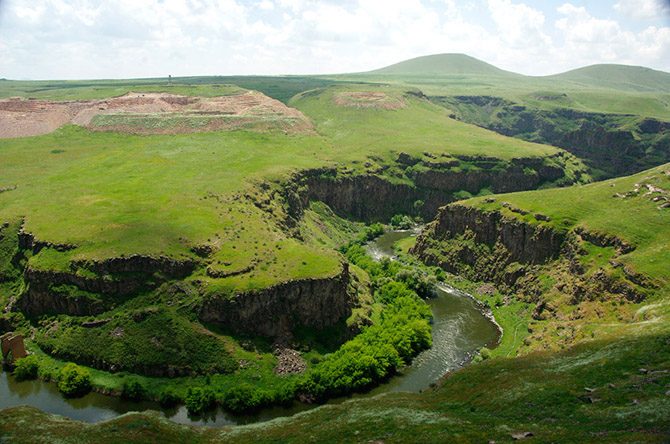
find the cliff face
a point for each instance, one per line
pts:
(515, 255)
(524, 243)
(277, 310)
(612, 144)
(93, 287)
(426, 186)
(410, 185)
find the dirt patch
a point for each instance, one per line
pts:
(152, 113)
(361, 99)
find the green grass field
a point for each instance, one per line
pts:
(112, 194)
(625, 90)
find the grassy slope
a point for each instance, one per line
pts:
(443, 64)
(280, 88)
(419, 126)
(637, 220)
(112, 194)
(594, 392)
(633, 78)
(609, 389)
(115, 194)
(629, 90)
(543, 393)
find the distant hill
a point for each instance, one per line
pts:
(443, 64)
(621, 77)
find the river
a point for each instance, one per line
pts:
(459, 329)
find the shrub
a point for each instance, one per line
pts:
(402, 222)
(484, 354)
(168, 397)
(373, 231)
(462, 195)
(199, 399)
(391, 291)
(74, 381)
(26, 368)
(376, 353)
(133, 389)
(244, 398)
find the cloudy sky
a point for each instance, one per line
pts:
(75, 39)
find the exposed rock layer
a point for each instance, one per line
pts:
(613, 144)
(276, 310)
(513, 254)
(373, 198)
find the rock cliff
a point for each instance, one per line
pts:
(91, 287)
(417, 186)
(277, 310)
(517, 255)
(611, 144)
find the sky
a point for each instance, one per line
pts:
(84, 39)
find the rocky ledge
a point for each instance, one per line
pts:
(91, 287)
(513, 254)
(277, 310)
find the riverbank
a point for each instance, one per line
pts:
(459, 329)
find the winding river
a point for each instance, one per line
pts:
(459, 329)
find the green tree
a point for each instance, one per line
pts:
(26, 368)
(74, 381)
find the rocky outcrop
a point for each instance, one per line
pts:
(374, 197)
(612, 144)
(27, 241)
(524, 243)
(277, 310)
(137, 263)
(91, 287)
(604, 240)
(512, 253)
(362, 197)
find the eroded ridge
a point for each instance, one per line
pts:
(152, 113)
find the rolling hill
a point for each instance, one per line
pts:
(443, 65)
(619, 77)
(164, 252)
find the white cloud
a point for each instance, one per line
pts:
(643, 9)
(589, 40)
(134, 38)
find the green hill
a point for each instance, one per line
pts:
(443, 65)
(620, 77)
(114, 228)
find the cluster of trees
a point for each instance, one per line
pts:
(403, 331)
(375, 354)
(396, 273)
(72, 380)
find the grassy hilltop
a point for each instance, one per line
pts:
(614, 89)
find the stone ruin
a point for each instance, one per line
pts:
(12, 347)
